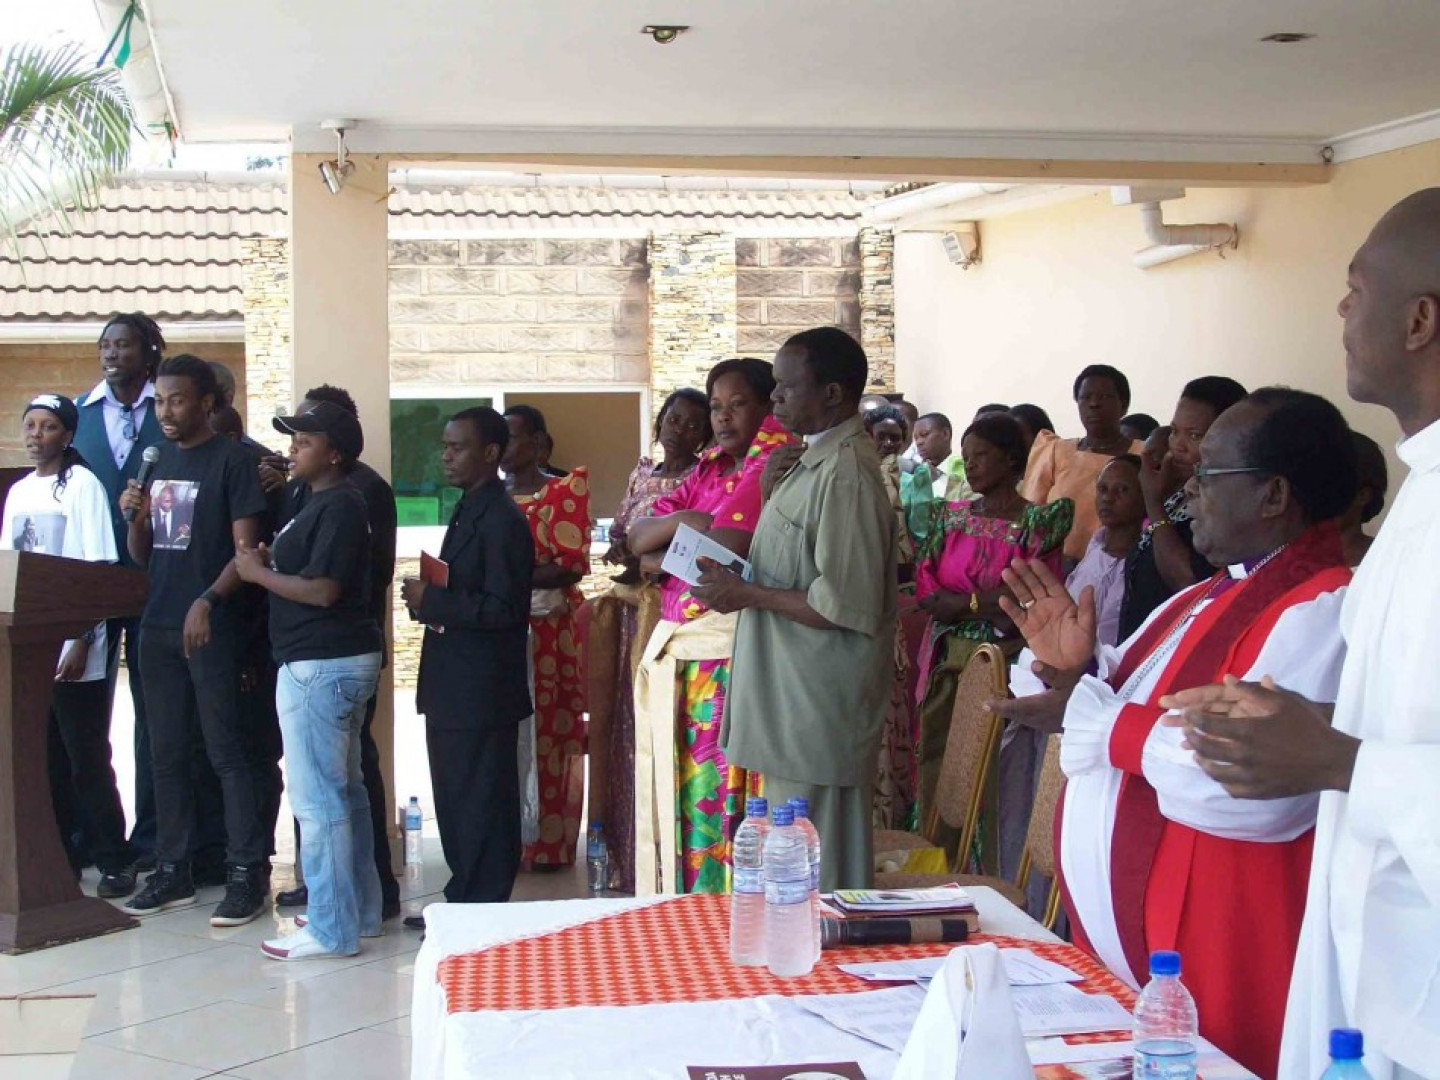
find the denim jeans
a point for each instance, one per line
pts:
(322, 707)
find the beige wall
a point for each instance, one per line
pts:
(1057, 291)
(598, 430)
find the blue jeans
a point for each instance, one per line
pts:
(322, 706)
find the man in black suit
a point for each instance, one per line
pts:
(473, 689)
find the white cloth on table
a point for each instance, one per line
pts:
(555, 1043)
(1369, 954)
(967, 1028)
(1303, 653)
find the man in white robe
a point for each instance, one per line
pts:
(1369, 953)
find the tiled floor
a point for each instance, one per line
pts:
(177, 999)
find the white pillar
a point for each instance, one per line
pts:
(339, 283)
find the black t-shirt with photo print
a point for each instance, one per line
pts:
(195, 497)
(328, 538)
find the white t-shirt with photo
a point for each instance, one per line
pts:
(73, 522)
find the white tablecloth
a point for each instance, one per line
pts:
(631, 1042)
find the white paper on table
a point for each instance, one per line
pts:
(884, 1017)
(1058, 1052)
(1060, 1009)
(1022, 968)
(1025, 968)
(967, 1027)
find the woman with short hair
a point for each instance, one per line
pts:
(688, 799)
(1067, 468)
(317, 572)
(620, 624)
(958, 582)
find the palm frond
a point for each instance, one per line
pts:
(65, 129)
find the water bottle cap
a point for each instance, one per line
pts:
(801, 806)
(414, 798)
(756, 807)
(1164, 962)
(1347, 1044)
(782, 815)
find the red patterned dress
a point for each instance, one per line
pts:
(559, 519)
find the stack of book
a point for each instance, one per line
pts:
(949, 902)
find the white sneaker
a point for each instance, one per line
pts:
(300, 945)
(301, 921)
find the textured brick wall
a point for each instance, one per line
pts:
(692, 307)
(269, 376)
(518, 310)
(877, 304)
(784, 286)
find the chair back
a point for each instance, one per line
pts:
(970, 746)
(1040, 836)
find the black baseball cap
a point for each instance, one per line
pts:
(335, 422)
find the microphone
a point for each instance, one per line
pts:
(147, 470)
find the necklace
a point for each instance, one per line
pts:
(1177, 631)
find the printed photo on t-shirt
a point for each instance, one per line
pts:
(42, 533)
(172, 513)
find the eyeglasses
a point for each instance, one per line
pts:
(127, 422)
(1202, 472)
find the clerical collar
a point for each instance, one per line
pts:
(1242, 570)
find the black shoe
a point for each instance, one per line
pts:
(244, 898)
(168, 887)
(216, 874)
(296, 897)
(115, 884)
(144, 863)
(415, 922)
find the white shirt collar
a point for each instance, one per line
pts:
(102, 390)
(1421, 451)
(821, 437)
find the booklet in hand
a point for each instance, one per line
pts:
(689, 546)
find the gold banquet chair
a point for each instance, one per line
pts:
(1039, 852)
(971, 750)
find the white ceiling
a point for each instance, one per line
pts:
(1018, 77)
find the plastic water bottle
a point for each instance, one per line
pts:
(597, 859)
(1166, 1024)
(747, 900)
(414, 851)
(790, 915)
(801, 806)
(1347, 1053)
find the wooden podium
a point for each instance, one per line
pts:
(45, 600)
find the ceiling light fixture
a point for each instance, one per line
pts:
(335, 173)
(1285, 37)
(664, 35)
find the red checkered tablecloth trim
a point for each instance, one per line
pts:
(678, 951)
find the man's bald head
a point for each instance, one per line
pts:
(1392, 313)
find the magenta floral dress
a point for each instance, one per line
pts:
(710, 793)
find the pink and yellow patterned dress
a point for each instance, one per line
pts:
(710, 794)
(559, 519)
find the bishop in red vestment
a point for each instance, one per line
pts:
(1153, 853)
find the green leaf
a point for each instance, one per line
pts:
(66, 129)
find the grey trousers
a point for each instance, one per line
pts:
(842, 818)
